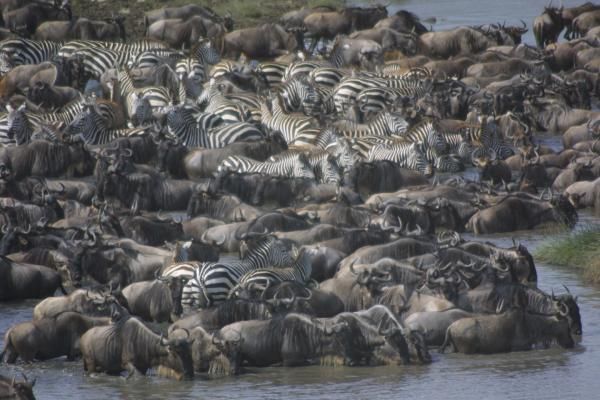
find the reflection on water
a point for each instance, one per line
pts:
(550, 374)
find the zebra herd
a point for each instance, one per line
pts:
(330, 117)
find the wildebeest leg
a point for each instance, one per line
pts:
(447, 343)
(9, 355)
(313, 45)
(131, 370)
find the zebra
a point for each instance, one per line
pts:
(21, 126)
(300, 95)
(93, 62)
(272, 72)
(91, 127)
(155, 57)
(384, 124)
(295, 165)
(192, 70)
(415, 83)
(327, 77)
(216, 102)
(299, 272)
(26, 51)
(323, 164)
(405, 154)
(427, 132)
(128, 50)
(487, 138)
(209, 283)
(295, 129)
(205, 130)
(302, 68)
(158, 96)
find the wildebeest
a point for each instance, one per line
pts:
(11, 389)
(268, 40)
(127, 344)
(22, 281)
(48, 338)
(511, 330)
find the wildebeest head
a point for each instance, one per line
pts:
(570, 302)
(21, 390)
(228, 361)
(14, 238)
(178, 357)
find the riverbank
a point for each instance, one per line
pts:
(578, 250)
(245, 13)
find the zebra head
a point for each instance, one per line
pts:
(448, 163)
(206, 53)
(142, 110)
(345, 155)
(436, 141)
(396, 123)
(18, 124)
(330, 171)
(302, 168)
(417, 159)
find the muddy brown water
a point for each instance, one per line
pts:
(540, 374)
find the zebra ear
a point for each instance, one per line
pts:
(9, 108)
(22, 107)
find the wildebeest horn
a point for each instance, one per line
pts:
(160, 217)
(500, 306)
(25, 232)
(5, 229)
(567, 289)
(162, 341)
(351, 267)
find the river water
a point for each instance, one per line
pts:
(549, 374)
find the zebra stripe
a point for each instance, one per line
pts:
(291, 127)
(300, 272)
(211, 282)
(405, 154)
(384, 124)
(324, 165)
(91, 127)
(25, 51)
(295, 165)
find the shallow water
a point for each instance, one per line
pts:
(550, 374)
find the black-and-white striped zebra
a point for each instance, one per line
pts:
(295, 129)
(192, 71)
(209, 283)
(487, 138)
(300, 95)
(91, 127)
(295, 165)
(26, 51)
(302, 68)
(327, 77)
(154, 57)
(206, 130)
(157, 96)
(415, 83)
(214, 101)
(92, 62)
(324, 164)
(427, 132)
(384, 124)
(405, 154)
(272, 72)
(299, 272)
(21, 125)
(128, 50)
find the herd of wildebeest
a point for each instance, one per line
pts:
(331, 172)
